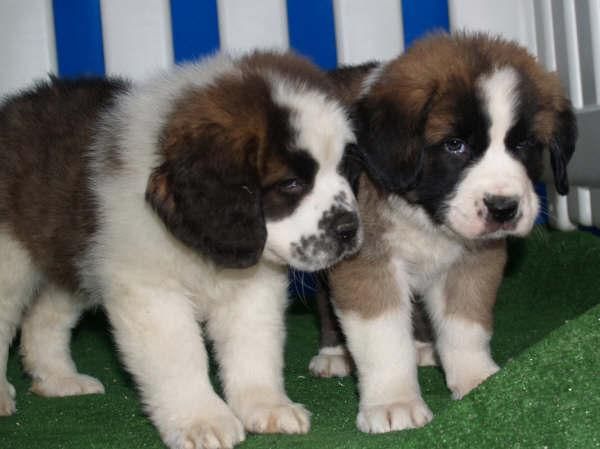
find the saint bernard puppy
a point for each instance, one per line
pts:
(174, 202)
(453, 135)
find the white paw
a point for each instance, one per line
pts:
(393, 416)
(465, 370)
(222, 431)
(76, 384)
(278, 418)
(7, 399)
(425, 354)
(331, 362)
(460, 382)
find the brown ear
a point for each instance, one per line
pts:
(209, 198)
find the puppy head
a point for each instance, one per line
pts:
(252, 168)
(459, 125)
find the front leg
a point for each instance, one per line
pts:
(333, 359)
(461, 308)
(248, 332)
(376, 319)
(161, 345)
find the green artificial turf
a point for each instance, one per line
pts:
(547, 395)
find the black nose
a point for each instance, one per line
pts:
(502, 208)
(345, 225)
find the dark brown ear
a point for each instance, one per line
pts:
(209, 199)
(390, 137)
(562, 146)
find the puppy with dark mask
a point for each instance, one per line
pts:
(453, 135)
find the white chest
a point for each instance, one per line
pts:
(421, 253)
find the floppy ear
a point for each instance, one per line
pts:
(210, 200)
(562, 146)
(391, 142)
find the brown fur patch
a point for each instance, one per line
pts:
(44, 194)
(236, 113)
(433, 68)
(294, 69)
(473, 282)
(365, 283)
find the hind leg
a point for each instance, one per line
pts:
(45, 338)
(18, 280)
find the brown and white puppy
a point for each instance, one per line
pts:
(177, 201)
(453, 134)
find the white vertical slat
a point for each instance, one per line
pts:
(595, 193)
(585, 48)
(367, 30)
(545, 34)
(245, 25)
(513, 19)
(583, 198)
(136, 36)
(580, 206)
(558, 205)
(572, 55)
(595, 37)
(27, 45)
(584, 206)
(558, 210)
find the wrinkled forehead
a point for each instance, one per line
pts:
(320, 125)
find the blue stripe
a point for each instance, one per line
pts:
(78, 31)
(195, 26)
(422, 17)
(312, 30)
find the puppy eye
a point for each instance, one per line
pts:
(525, 144)
(291, 186)
(455, 146)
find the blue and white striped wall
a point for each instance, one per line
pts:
(133, 38)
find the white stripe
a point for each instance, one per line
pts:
(575, 91)
(27, 46)
(558, 214)
(595, 200)
(513, 19)
(595, 30)
(545, 31)
(137, 36)
(584, 205)
(245, 25)
(365, 32)
(580, 206)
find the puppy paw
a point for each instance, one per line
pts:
(331, 362)
(7, 399)
(221, 431)
(278, 418)
(393, 416)
(76, 384)
(461, 382)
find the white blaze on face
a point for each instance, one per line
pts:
(497, 173)
(323, 130)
